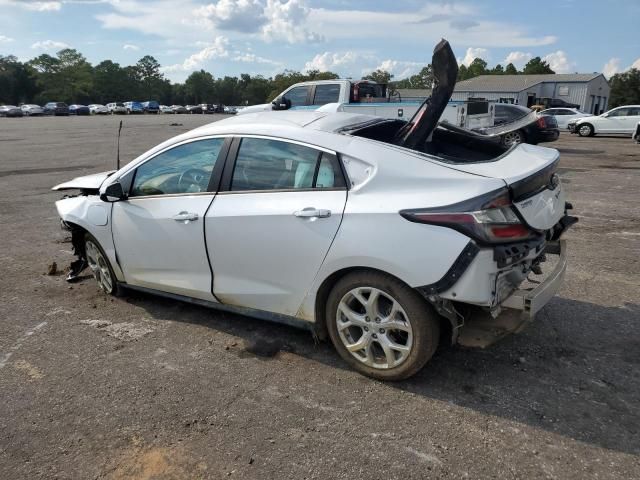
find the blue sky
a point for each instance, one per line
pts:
(228, 37)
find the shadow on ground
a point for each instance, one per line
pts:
(575, 371)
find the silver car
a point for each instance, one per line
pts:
(383, 235)
(31, 110)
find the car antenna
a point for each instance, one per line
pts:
(118, 152)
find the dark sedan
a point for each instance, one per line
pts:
(194, 109)
(178, 109)
(543, 129)
(79, 110)
(10, 111)
(56, 108)
(208, 108)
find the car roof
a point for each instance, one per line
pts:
(323, 121)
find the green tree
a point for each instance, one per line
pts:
(463, 73)
(201, 87)
(625, 88)
(111, 83)
(510, 69)
(379, 76)
(477, 67)
(67, 77)
(17, 81)
(536, 66)
(151, 80)
(497, 70)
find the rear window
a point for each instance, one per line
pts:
(326, 94)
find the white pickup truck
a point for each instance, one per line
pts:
(371, 98)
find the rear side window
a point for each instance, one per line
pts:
(265, 164)
(297, 96)
(326, 94)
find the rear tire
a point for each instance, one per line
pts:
(380, 326)
(100, 266)
(512, 138)
(585, 130)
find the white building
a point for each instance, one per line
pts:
(588, 90)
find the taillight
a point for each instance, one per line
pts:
(542, 123)
(489, 218)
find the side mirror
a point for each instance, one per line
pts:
(113, 193)
(281, 103)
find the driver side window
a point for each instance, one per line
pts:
(186, 168)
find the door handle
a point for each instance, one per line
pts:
(311, 212)
(185, 217)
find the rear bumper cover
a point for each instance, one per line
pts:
(531, 301)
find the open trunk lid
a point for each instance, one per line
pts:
(530, 173)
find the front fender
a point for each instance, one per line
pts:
(93, 215)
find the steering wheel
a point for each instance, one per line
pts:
(191, 177)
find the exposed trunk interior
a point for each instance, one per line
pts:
(451, 144)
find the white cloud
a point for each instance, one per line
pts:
(329, 61)
(355, 64)
(559, 62)
(402, 26)
(49, 45)
(42, 6)
(33, 6)
(519, 59)
(238, 15)
(286, 20)
(249, 57)
(611, 67)
(472, 54)
(216, 49)
(129, 46)
(400, 69)
(5, 39)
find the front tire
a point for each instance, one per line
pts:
(100, 266)
(585, 130)
(380, 326)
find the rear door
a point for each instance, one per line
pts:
(273, 221)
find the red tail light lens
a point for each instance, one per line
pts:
(487, 219)
(542, 123)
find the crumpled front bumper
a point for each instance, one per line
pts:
(530, 301)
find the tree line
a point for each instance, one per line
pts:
(69, 77)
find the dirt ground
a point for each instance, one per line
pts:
(147, 388)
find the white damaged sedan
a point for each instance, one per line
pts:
(379, 234)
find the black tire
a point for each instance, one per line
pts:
(585, 130)
(423, 320)
(115, 289)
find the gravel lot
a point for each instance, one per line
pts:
(142, 387)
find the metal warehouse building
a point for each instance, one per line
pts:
(589, 90)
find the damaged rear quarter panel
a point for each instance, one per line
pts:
(94, 215)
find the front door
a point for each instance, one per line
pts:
(158, 231)
(270, 231)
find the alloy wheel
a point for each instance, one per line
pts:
(512, 138)
(374, 327)
(585, 130)
(99, 266)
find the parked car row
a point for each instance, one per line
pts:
(113, 108)
(202, 108)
